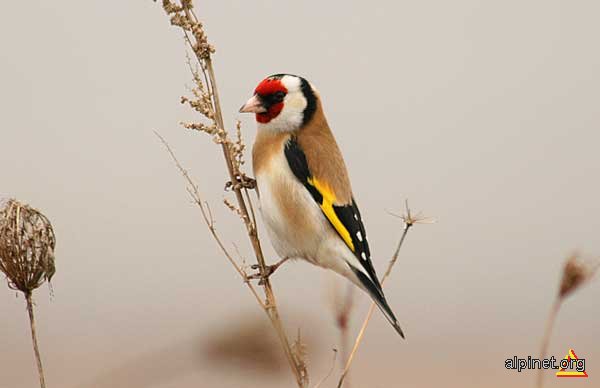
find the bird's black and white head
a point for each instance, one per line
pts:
(282, 102)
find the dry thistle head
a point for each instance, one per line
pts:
(27, 244)
(576, 272)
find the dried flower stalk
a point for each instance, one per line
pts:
(318, 385)
(27, 244)
(575, 274)
(206, 101)
(409, 220)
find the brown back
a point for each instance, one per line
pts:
(324, 158)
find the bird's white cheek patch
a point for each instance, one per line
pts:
(296, 103)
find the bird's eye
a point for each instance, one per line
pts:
(278, 96)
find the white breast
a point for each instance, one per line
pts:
(297, 232)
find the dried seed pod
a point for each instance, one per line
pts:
(575, 273)
(27, 244)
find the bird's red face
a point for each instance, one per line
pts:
(271, 92)
(267, 101)
(282, 102)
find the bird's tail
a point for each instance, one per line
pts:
(374, 290)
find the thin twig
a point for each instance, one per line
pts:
(409, 221)
(36, 349)
(546, 338)
(363, 328)
(330, 370)
(576, 272)
(208, 219)
(208, 104)
(270, 305)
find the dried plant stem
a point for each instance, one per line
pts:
(208, 219)
(270, 305)
(408, 223)
(318, 385)
(208, 104)
(576, 273)
(36, 349)
(546, 338)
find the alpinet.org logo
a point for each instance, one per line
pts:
(570, 366)
(570, 359)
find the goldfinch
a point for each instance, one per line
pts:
(303, 187)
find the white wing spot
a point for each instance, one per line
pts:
(359, 236)
(356, 216)
(364, 256)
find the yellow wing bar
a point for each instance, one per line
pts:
(327, 208)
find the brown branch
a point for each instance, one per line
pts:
(183, 16)
(36, 349)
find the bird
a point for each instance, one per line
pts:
(304, 191)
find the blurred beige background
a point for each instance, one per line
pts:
(484, 114)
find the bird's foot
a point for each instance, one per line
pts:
(269, 270)
(242, 181)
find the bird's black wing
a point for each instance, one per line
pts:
(345, 219)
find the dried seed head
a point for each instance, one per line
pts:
(182, 15)
(576, 272)
(26, 246)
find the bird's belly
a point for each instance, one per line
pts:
(294, 221)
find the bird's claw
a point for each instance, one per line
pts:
(242, 182)
(269, 270)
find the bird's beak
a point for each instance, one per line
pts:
(253, 105)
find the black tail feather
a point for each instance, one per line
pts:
(376, 293)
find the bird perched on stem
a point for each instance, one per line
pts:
(305, 195)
